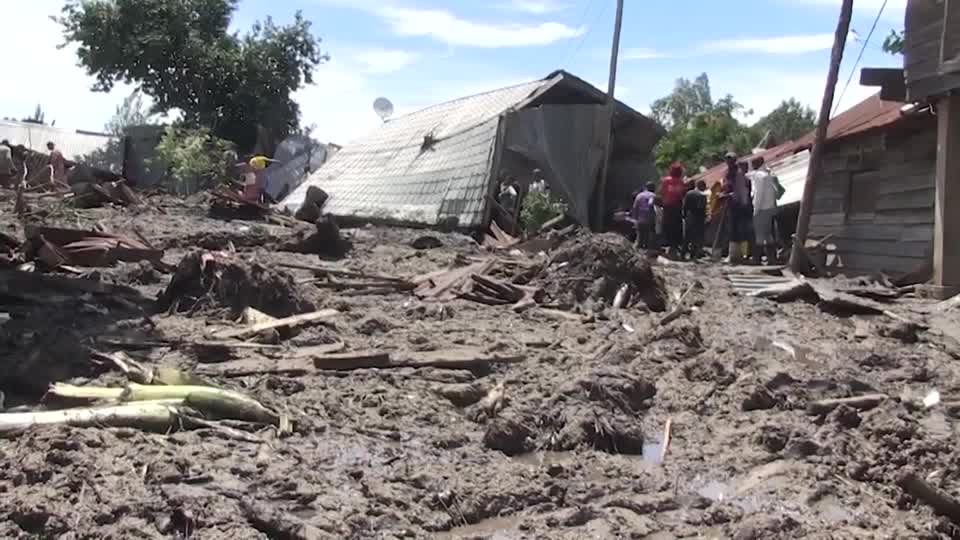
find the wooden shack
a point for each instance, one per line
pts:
(875, 193)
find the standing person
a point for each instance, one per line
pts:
(737, 196)
(672, 190)
(538, 183)
(765, 193)
(643, 216)
(695, 219)
(7, 169)
(58, 165)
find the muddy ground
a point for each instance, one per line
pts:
(575, 451)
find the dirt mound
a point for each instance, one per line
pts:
(220, 280)
(593, 267)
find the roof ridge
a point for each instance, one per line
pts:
(471, 96)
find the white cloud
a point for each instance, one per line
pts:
(37, 72)
(641, 53)
(537, 7)
(797, 44)
(448, 28)
(379, 61)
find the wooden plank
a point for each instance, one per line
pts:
(296, 320)
(911, 200)
(881, 247)
(904, 217)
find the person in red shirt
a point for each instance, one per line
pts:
(672, 190)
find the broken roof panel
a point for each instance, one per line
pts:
(423, 167)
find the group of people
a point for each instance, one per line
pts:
(741, 209)
(9, 173)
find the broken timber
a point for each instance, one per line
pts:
(461, 358)
(290, 322)
(943, 503)
(862, 403)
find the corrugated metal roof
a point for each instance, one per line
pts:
(396, 173)
(792, 173)
(871, 113)
(72, 144)
(771, 155)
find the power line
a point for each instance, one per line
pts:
(586, 34)
(859, 57)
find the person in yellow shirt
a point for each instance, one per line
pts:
(253, 180)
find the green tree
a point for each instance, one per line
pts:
(688, 99)
(699, 130)
(182, 54)
(194, 158)
(37, 117)
(789, 121)
(894, 42)
(132, 112)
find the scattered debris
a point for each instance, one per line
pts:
(219, 279)
(57, 246)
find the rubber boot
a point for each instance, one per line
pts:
(771, 255)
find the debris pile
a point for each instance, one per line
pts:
(205, 280)
(592, 268)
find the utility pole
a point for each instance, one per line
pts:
(601, 192)
(798, 258)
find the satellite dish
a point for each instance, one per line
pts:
(383, 108)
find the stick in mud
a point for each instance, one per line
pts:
(943, 503)
(863, 403)
(296, 320)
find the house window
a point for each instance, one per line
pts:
(861, 200)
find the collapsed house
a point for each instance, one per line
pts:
(875, 192)
(443, 164)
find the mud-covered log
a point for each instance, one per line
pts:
(862, 403)
(943, 503)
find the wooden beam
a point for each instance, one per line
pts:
(820, 136)
(601, 218)
(892, 83)
(946, 230)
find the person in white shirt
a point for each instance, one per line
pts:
(766, 191)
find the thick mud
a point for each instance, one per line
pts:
(570, 443)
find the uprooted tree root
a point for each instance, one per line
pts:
(224, 280)
(593, 267)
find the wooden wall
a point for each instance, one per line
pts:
(875, 198)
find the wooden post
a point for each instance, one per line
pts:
(600, 218)
(797, 257)
(946, 231)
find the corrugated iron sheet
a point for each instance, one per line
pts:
(72, 144)
(792, 173)
(424, 167)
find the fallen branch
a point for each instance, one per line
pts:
(863, 403)
(678, 310)
(345, 273)
(943, 503)
(296, 320)
(666, 440)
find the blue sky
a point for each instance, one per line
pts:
(419, 52)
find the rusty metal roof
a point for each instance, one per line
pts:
(871, 113)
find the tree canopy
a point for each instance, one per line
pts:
(180, 53)
(700, 131)
(894, 42)
(789, 121)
